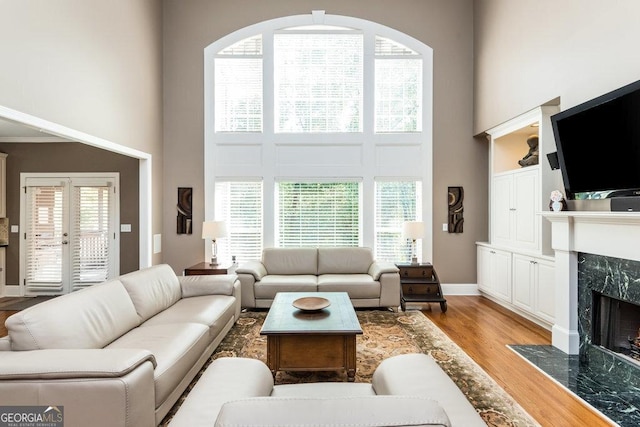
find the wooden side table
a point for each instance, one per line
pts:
(420, 283)
(204, 268)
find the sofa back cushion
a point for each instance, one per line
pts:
(344, 260)
(152, 289)
(90, 318)
(379, 411)
(290, 260)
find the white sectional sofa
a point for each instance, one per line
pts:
(406, 390)
(353, 270)
(119, 353)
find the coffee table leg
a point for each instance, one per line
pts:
(272, 355)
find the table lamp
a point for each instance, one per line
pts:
(413, 230)
(214, 230)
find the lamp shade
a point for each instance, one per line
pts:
(413, 229)
(214, 229)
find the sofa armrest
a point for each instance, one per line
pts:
(217, 284)
(419, 375)
(96, 387)
(5, 343)
(378, 268)
(71, 363)
(255, 268)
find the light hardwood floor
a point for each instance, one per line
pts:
(483, 329)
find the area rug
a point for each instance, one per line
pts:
(385, 334)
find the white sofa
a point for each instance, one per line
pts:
(351, 269)
(406, 390)
(119, 353)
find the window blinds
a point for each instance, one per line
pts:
(395, 203)
(314, 214)
(239, 204)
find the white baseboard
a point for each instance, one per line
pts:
(11, 291)
(460, 289)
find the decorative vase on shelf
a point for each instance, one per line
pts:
(557, 202)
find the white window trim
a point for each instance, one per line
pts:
(268, 142)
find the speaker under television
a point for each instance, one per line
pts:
(553, 160)
(625, 204)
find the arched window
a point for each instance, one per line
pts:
(318, 133)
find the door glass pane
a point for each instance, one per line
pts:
(91, 247)
(44, 236)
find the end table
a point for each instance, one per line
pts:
(420, 283)
(205, 268)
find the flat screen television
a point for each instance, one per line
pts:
(598, 144)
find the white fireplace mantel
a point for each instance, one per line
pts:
(614, 234)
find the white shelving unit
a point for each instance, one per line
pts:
(516, 265)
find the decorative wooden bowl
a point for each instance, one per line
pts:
(311, 303)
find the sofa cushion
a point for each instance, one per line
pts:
(270, 285)
(344, 260)
(321, 389)
(152, 289)
(333, 411)
(290, 260)
(176, 348)
(217, 284)
(214, 311)
(89, 318)
(358, 286)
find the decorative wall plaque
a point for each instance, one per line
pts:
(184, 220)
(456, 210)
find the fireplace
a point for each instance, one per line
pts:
(595, 253)
(616, 325)
(608, 309)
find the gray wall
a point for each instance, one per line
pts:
(528, 52)
(90, 65)
(444, 25)
(72, 157)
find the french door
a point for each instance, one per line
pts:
(69, 239)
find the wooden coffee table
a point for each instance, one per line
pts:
(323, 340)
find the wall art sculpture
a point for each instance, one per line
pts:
(184, 221)
(456, 210)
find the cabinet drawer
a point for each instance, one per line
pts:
(423, 271)
(420, 289)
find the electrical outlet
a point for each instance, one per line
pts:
(445, 227)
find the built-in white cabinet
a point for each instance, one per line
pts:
(494, 272)
(533, 285)
(516, 265)
(515, 219)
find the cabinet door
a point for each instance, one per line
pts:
(501, 211)
(494, 272)
(523, 274)
(502, 274)
(484, 269)
(545, 290)
(525, 202)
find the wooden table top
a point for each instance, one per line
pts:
(339, 318)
